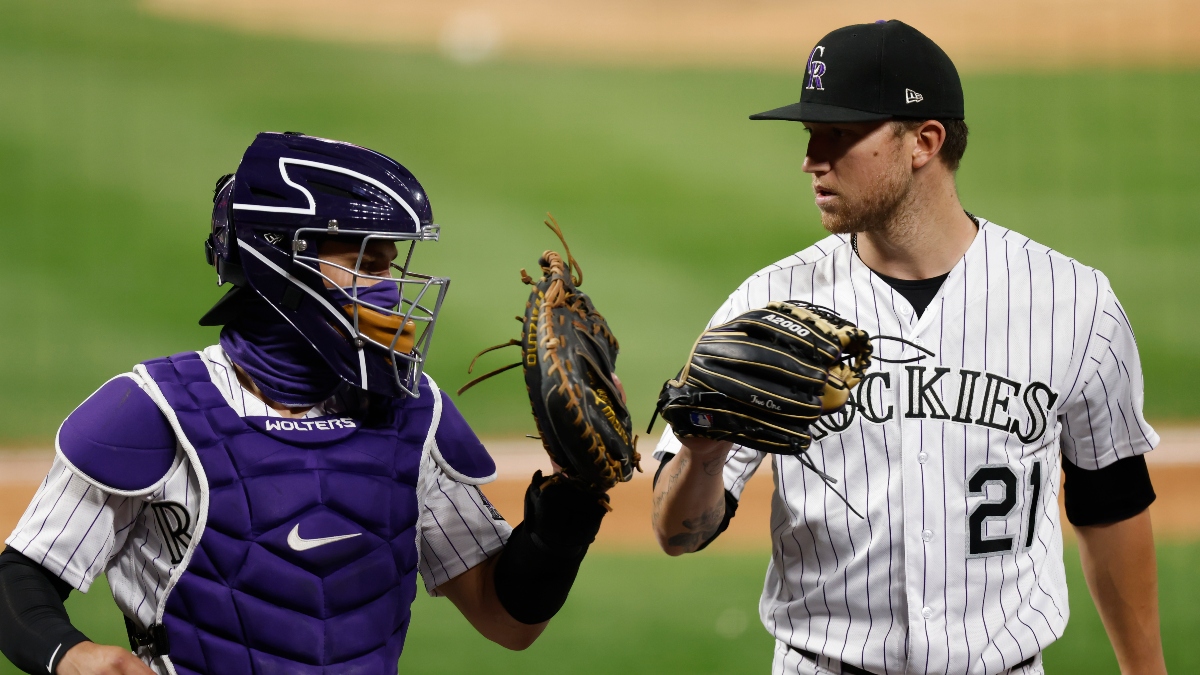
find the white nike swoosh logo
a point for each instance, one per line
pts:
(50, 666)
(298, 543)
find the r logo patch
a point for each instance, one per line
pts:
(816, 69)
(173, 525)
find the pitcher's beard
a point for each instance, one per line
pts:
(873, 211)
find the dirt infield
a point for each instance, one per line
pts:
(772, 34)
(1174, 468)
(1175, 514)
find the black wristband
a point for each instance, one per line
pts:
(539, 563)
(1114, 493)
(35, 631)
(667, 457)
(731, 505)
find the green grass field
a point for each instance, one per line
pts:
(114, 126)
(650, 614)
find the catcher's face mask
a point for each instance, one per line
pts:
(387, 310)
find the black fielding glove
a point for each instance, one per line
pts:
(539, 563)
(762, 378)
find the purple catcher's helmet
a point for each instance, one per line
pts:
(292, 192)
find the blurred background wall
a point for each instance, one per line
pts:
(627, 120)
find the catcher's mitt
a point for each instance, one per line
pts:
(761, 379)
(569, 358)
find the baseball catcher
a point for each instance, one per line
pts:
(569, 355)
(267, 503)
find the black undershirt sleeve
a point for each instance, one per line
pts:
(35, 631)
(1114, 493)
(731, 503)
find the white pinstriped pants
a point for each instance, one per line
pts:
(788, 661)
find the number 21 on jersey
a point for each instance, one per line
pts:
(996, 522)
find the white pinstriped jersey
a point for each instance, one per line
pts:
(77, 531)
(953, 459)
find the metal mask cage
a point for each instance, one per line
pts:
(421, 297)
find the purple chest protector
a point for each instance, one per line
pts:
(307, 561)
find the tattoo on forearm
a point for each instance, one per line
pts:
(680, 463)
(714, 466)
(700, 529)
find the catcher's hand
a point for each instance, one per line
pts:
(761, 379)
(569, 355)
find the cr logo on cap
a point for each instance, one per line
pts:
(816, 69)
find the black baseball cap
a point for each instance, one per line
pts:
(875, 71)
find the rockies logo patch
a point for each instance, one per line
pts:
(173, 524)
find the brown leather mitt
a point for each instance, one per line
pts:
(569, 355)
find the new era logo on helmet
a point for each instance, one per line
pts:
(911, 96)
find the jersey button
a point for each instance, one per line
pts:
(927, 535)
(923, 457)
(927, 612)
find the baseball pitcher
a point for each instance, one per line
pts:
(264, 505)
(917, 382)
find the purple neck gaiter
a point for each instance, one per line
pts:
(281, 362)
